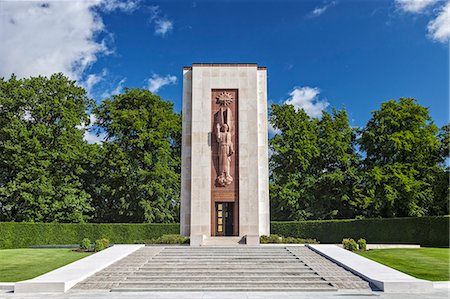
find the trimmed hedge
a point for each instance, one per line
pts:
(20, 234)
(426, 231)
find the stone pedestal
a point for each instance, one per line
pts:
(248, 193)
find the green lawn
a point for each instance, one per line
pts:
(22, 264)
(425, 263)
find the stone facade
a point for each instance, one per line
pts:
(199, 81)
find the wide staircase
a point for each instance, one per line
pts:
(239, 268)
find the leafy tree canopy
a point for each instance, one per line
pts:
(314, 166)
(137, 177)
(402, 159)
(42, 150)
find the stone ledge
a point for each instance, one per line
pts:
(64, 278)
(441, 284)
(379, 276)
(7, 286)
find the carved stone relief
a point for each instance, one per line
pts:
(224, 129)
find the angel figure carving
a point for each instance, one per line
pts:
(226, 150)
(224, 122)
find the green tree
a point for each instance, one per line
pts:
(137, 177)
(441, 186)
(292, 151)
(402, 158)
(336, 173)
(314, 166)
(42, 151)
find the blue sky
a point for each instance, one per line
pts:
(319, 54)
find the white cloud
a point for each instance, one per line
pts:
(118, 89)
(89, 131)
(45, 37)
(92, 137)
(92, 120)
(162, 24)
(321, 9)
(156, 82)
(439, 28)
(307, 99)
(272, 130)
(415, 6)
(92, 80)
(162, 27)
(126, 6)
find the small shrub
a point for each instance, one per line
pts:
(270, 239)
(171, 239)
(165, 239)
(362, 244)
(101, 244)
(350, 244)
(85, 244)
(275, 239)
(292, 240)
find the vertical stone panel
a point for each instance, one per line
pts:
(185, 209)
(248, 160)
(263, 155)
(200, 161)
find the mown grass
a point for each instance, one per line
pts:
(424, 263)
(23, 264)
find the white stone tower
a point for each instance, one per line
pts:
(225, 178)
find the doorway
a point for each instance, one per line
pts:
(224, 225)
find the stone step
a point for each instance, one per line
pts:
(285, 253)
(218, 289)
(221, 263)
(206, 257)
(230, 283)
(211, 272)
(216, 267)
(224, 248)
(220, 251)
(243, 279)
(221, 259)
(226, 260)
(225, 254)
(244, 248)
(207, 279)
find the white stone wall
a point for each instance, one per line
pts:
(185, 210)
(196, 153)
(263, 156)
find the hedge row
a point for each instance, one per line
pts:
(19, 234)
(426, 231)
